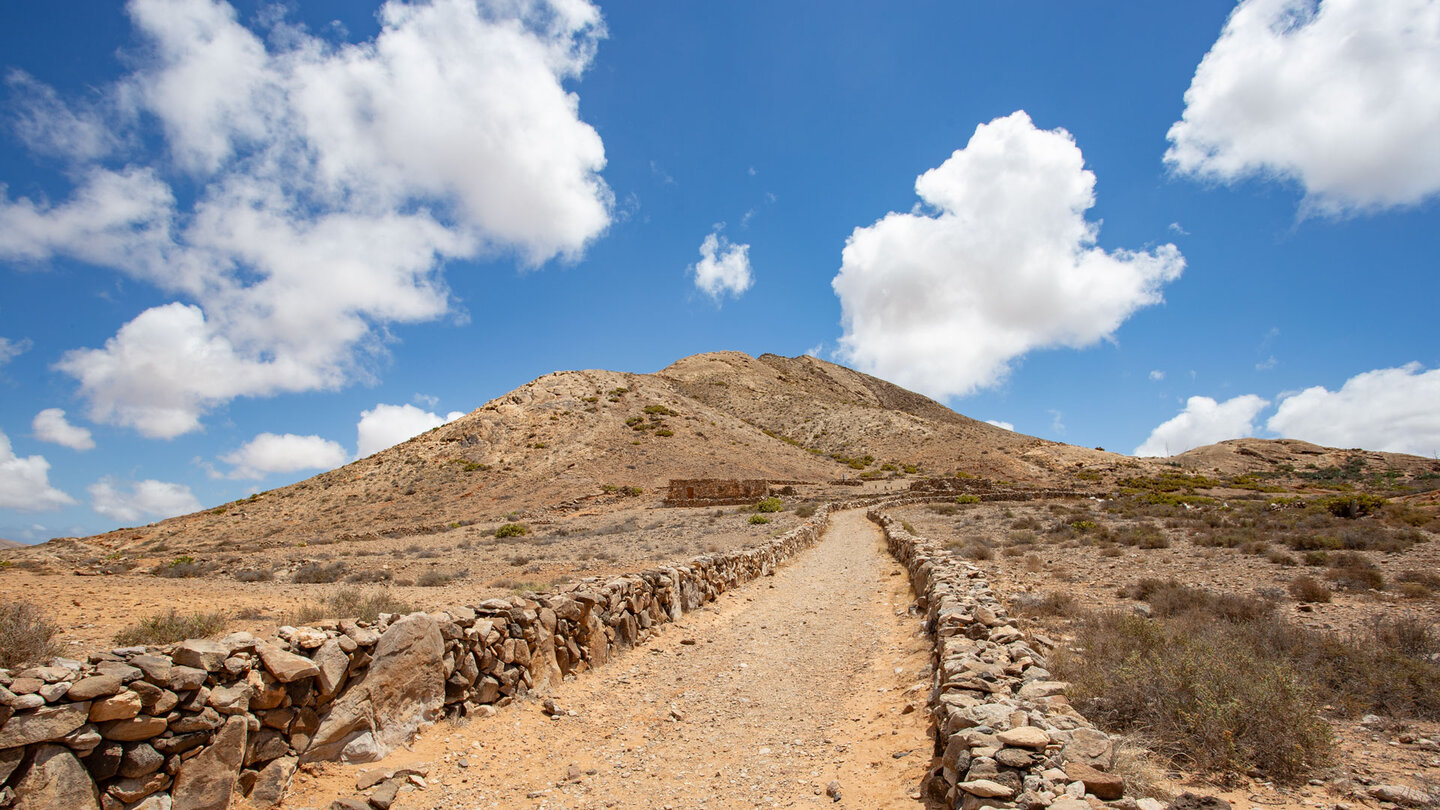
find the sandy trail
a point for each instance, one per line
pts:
(758, 700)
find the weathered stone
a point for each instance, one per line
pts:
(140, 759)
(26, 686)
(43, 724)
(206, 781)
(133, 729)
(287, 667)
(82, 740)
(1190, 801)
(56, 779)
(9, 760)
(349, 804)
(125, 705)
(1014, 757)
(986, 789)
(265, 745)
(401, 692)
(133, 790)
(1106, 786)
(124, 672)
(180, 743)
(155, 667)
(185, 679)
(207, 719)
(1090, 747)
(270, 785)
(1025, 737)
(1402, 795)
(332, 663)
(21, 703)
(155, 801)
(1043, 689)
(384, 796)
(201, 654)
(104, 761)
(234, 699)
(95, 686)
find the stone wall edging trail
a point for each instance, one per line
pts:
(1005, 735)
(193, 725)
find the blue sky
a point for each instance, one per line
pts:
(241, 243)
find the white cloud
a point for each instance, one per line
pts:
(1204, 421)
(133, 501)
(271, 453)
(331, 182)
(25, 482)
(1267, 364)
(999, 424)
(50, 425)
(1157, 375)
(724, 268)
(11, 349)
(1004, 263)
(1390, 409)
(387, 425)
(1338, 96)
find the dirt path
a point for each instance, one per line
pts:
(759, 700)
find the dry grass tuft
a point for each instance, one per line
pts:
(26, 634)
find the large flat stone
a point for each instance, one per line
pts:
(44, 724)
(402, 691)
(56, 779)
(207, 780)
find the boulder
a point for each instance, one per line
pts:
(1106, 786)
(1090, 747)
(123, 706)
(270, 785)
(332, 663)
(1025, 737)
(402, 691)
(56, 779)
(201, 654)
(287, 667)
(986, 789)
(1402, 795)
(133, 729)
(94, 687)
(133, 790)
(9, 760)
(206, 781)
(44, 724)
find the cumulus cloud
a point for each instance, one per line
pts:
(999, 424)
(326, 185)
(50, 425)
(1156, 375)
(1338, 96)
(387, 425)
(272, 453)
(134, 501)
(1204, 421)
(25, 482)
(724, 268)
(1390, 409)
(1001, 262)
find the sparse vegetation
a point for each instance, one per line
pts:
(1305, 588)
(315, 573)
(756, 520)
(770, 505)
(511, 530)
(171, 626)
(27, 635)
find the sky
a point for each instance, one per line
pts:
(245, 242)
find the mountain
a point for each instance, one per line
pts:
(10, 543)
(593, 440)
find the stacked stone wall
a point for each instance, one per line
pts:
(1005, 736)
(202, 725)
(715, 491)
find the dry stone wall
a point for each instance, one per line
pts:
(1005, 736)
(201, 724)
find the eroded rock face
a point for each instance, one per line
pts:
(56, 779)
(206, 781)
(402, 692)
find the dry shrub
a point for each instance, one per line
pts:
(312, 573)
(435, 578)
(1169, 598)
(1201, 690)
(1407, 635)
(26, 634)
(255, 575)
(1354, 572)
(171, 626)
(1034, 564)
(1308, 589)
(1051, 603)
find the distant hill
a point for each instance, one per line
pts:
(584, 440)
(9, 543)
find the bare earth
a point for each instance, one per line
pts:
(818, 674)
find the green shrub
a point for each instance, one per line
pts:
(770, 505)
(756, 520)
(511, 530)
(1351, 506)
(1203, 692)
(171, 626)
(967, 499)
(660, 410)
(26, 634)
(664, 432)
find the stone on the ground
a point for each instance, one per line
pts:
(1190, 801)
(1402, 795)
(56, 779)
(1106, 786)
(206, 781)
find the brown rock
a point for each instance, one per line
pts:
(1024, 737)
(44, 724)
(384, 796)
(95, 686)
(234, 699)
(9, 760)
(1106, 786)
(270, 785)
(155, 667)
(1091, 747)
(401, 692)
(206, 781)
(133, 790)
(140, 759)
(287, 667)
(185, 679)
(1190, 801)
(133, 729)
(123, 706)
(332, 663)
(201, 654)
(56, 779)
